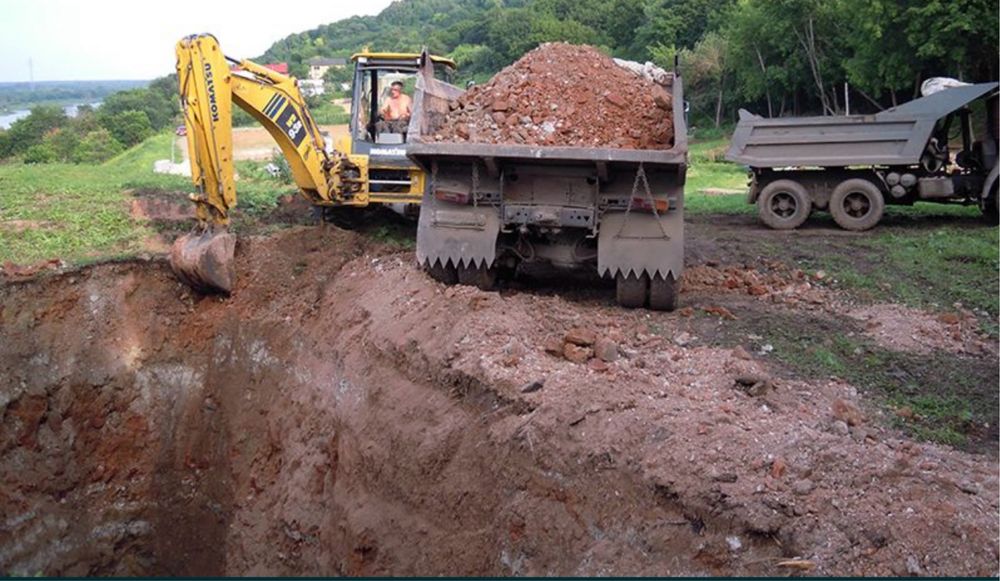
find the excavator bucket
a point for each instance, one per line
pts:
(204, 260)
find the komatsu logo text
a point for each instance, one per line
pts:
(212, 105)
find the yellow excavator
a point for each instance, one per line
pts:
(366, 166)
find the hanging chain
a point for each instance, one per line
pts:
(475, 184)
(640, 176)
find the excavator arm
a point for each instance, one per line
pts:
(208, 89)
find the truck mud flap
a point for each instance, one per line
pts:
(641, 243)
(461, 235)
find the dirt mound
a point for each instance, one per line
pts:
(566, 95)
(317, 423)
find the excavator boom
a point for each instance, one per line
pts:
(208, 89)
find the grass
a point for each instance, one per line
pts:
(79, 213)
(708, 169)
(948, 399)
(927, 268)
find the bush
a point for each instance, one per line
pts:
(97, 146)
(40, 153)
(64, 141)
(128, 127)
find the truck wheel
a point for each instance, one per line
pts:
(784, 204)
(445, 273)
(632, 290)
(663, 293)
(856, 204)
(483, 277)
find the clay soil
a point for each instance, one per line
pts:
(342, 413)
(563, 95)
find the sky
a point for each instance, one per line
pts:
(70, 40)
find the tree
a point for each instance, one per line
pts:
(30, 130)
(705, 69)
(97, 146)
(159, 109)
(128, 127)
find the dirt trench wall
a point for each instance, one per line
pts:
(147, 433)
(343, 414)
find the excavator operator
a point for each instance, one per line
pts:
(396, 111)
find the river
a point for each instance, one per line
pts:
(6, 119)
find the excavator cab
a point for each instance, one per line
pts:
(377, 146)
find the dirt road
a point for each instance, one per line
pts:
(344, 414)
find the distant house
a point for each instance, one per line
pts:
(311, 87)
(318, 65)
(276, 67)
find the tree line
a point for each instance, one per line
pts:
(776, 57)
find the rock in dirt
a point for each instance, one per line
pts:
(606, 350)
(803, 487)
(847, 412)
(840, 427)
(755, 385)
(581, 336)
(577, 354)
(596, 364)
(553, 346)
(566, 95)
(720, 311)
(533, 386)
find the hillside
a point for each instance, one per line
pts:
(778, 57)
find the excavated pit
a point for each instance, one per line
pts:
(342, 414)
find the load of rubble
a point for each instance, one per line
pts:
(566, 95)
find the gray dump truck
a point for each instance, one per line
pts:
(492, 209)
(852, 166)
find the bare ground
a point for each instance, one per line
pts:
(344, 414)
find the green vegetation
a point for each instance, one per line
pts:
(123, 120)
(929, 269)
(714, 185)
(79, 212)
(771, 56)
(938, 397)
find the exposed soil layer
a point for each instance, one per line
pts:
(342, 413)
(563, 94)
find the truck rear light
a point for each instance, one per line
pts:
(661, 206)
(452, 196)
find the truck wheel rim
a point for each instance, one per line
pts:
(857, 205)
(783, 205)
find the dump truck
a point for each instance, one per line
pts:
(491, 209)
(852, 166)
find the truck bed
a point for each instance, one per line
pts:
(896, 136)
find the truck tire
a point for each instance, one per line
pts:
(444, 273)
(631, 290)
(857, 204)
(663, 293)
(784, 205)
(484, 277)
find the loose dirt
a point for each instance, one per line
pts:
(344, 414)
(563, 94)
